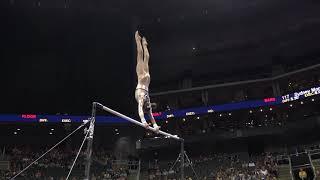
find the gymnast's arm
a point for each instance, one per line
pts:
(141, 113)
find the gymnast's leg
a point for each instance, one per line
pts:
(139, 94)
(140, 64)
(146, 55)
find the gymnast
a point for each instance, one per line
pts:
(142, 89)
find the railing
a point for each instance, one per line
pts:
(125, 162)
(301, 166)
(314, 169)
(4, 165)
(291, 172)
(119, 162)
(282, 158)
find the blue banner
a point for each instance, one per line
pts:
(35, 118)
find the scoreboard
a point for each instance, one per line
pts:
(301, 94)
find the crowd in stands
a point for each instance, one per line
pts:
(217, 166)
(261, 167)
(214, 166)
(57, 163)
(222, 167)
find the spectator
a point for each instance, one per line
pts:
(302, 174)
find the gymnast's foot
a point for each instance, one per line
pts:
(156, 127)
(137, 36)
(144, 41)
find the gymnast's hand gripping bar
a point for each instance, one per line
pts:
(137, 122)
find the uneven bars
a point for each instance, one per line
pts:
(137, 122)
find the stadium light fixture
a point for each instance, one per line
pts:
(312, 100)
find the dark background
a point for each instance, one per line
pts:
(60, 55)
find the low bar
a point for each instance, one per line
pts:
(137, 122)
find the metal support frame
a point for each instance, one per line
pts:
(182, 153)
(65, 138)
(91, 133)
(90, 141)
(182, 158)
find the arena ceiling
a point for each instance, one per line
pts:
(226, 35)
(59, 55)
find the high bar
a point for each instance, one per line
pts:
(137, 122)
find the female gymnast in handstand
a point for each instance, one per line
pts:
(142, 90)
